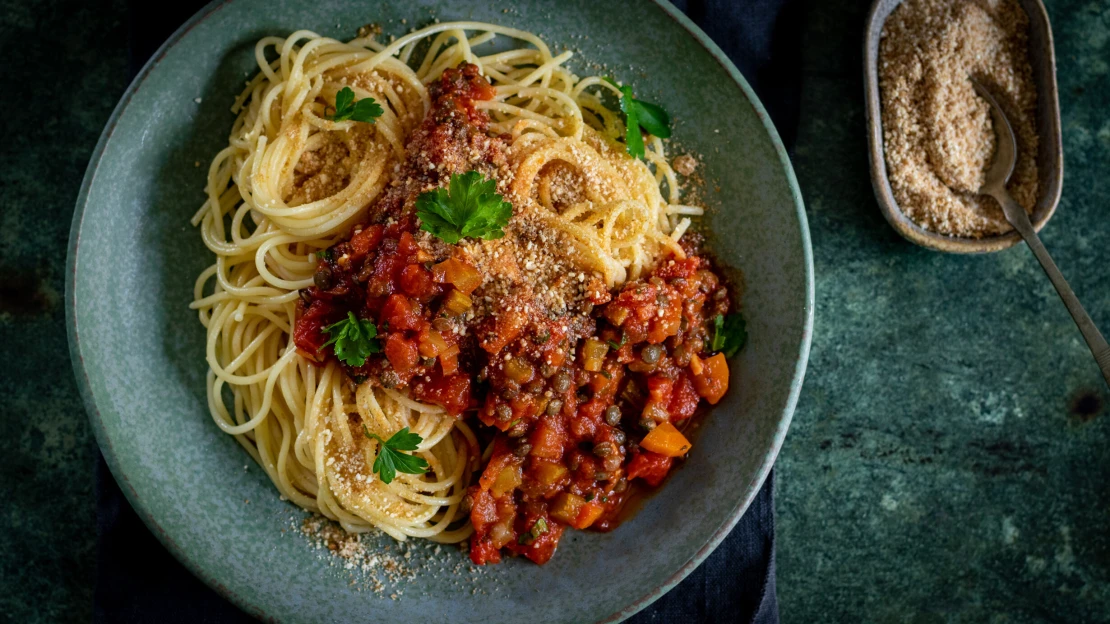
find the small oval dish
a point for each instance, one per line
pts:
(1050, 155)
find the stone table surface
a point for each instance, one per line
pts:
(948, 459)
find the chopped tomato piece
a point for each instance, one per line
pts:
(684, 399)
(483, 508)
(308, 333)
(450, 391)
(401, 353)
(407, 247)
(540, 549)
(500, 458)
(398, 313)
(587, 420)
(482, 551)
(650, 467)
(416, 282)
(364, 241)
(505, 329)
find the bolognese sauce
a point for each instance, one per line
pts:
(581, 390)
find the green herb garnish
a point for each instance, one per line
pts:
(729, 334)
(470, 208)
(617, 345)
(365, 110)
(353, 339)
(606, 374)
(638, 115)
(324, 254)
(538, 529)
(392, 460)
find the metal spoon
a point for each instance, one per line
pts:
(1005, 155)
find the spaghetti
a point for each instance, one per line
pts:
(293, 182)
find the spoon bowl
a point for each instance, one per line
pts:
(1005, 150)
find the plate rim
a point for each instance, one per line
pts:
(257, 611)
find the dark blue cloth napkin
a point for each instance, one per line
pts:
(139, 581)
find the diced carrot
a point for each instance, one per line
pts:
(589, 514)
(712, 382)
(457, 273)
(519, 370)
(457, 302)
(665, 440)
(547, 473)
(593, 354)
(567, 507)
(449, 360)
(507, 480)
(548, 439)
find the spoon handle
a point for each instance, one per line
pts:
(1017, 217)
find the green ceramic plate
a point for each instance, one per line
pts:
(138, 350)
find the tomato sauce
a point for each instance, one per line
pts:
(575, 409)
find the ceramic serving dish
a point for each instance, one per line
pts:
(138, 350)
(1050, 156)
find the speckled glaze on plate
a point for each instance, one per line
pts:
(137, 349)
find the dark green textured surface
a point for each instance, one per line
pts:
(947, 459)
(67, 67)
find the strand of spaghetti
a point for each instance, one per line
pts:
(545, 69)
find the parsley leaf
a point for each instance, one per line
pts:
(366, 109)
(353, 339)
(638, 115)
(471, 208)
(391, 460)
(538, 529)
(729, 334)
